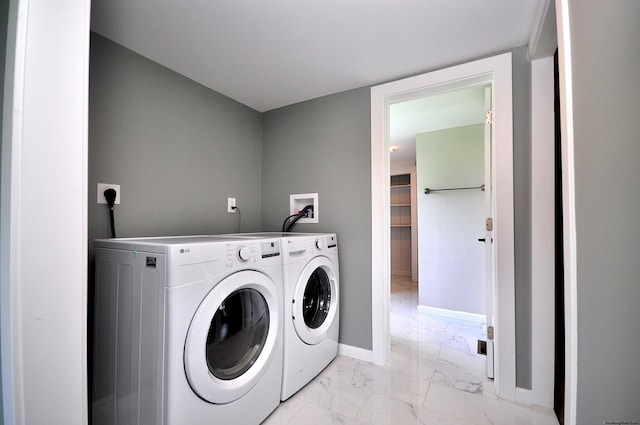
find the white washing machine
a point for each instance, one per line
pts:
(310, 273)
(188, 330)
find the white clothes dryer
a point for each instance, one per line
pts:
(188, 330)
(311, 283)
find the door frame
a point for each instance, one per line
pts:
(496, 70)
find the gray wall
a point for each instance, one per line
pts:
(323, 146)
(606, 104)
(177, 149)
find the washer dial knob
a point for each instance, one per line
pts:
(244, 253)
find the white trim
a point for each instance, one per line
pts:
(355, 352)
(380, 230)
(43, 142)
(542, 231)
(12, 142)
(569, 213)
(543, 40)
(523, 396)
(538, 27)
(452, 314)
(497, 70)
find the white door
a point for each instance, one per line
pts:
(489, 246)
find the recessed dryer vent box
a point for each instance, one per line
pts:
(299, 201)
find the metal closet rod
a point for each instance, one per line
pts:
(428, 191)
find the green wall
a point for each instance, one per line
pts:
(452, 263)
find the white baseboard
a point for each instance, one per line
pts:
(355, 352)
(524, 396)
(459, 315)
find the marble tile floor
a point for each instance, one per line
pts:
(434, 377)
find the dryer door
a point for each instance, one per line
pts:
(315, 300)
(231, 339)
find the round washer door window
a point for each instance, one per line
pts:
(315, 300)
(232, 336)
(237, 334)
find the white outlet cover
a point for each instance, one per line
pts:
(231, 202)
(104, 186)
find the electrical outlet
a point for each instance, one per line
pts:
(104, 186)
(231, 202)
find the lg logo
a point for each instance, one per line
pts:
(185, 250)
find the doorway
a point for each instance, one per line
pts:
(496, 71)
(438, 141)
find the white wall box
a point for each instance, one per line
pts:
(299, 201)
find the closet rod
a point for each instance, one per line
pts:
(428, 191)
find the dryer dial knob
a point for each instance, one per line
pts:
(319, 244)
(244, 253)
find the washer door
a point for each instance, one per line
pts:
(232, 336)
(315, 300)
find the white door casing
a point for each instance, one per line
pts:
(495, 70)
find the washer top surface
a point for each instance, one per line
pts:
(172, 240)
(191, 258)
(270, 235)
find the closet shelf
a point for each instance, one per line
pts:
(400, 186)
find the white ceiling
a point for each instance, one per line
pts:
(451, 109)
(271, 53)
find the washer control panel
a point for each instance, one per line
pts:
(252, 251)
(270, 249)
(244, 253)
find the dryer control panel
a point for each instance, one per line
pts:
(326, 242)
(270, 249)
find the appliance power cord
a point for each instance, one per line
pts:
(110, 196)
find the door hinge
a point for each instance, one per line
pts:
(490, 333)
(489, 225)
(488, 116)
